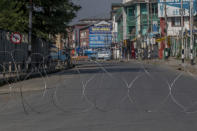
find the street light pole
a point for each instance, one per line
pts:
(191, 32)
(182, 34)
(148, 30)
(151, 25)
(30, 33)
(166, 33)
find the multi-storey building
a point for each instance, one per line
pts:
(116, 47)
(91, 34)
(171, 10)
(137, 19)
(84, 37)
(140, 21)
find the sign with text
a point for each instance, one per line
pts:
(100, 36)
(100, 29)
(173, 8)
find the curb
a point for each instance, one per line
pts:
(14, 79)
(178, 66)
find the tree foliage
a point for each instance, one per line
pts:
(53, 19)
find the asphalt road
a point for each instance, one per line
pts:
(102, 96)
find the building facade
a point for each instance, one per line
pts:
(84, 37)
(172, 11)
(89, 35)
(116, 46)
(141, 26)
(138, 23)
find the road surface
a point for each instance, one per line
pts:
(102, 96)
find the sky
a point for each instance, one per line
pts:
(94, 8)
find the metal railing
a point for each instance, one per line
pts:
(17, 70)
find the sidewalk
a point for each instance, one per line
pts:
(175, 64)
(14, 77)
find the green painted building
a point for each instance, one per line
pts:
(137, 19)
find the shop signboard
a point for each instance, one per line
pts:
(100, 36)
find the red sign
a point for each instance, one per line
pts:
(16, 38)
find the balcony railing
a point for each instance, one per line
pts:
(131, 20)
(144, 18)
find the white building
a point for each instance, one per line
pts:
(116, 49)
(173, 13)
(114, 8)
(174, 25)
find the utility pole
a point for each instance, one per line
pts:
(182, 34)
(166, 33)
(148, 30)
(191, 33)
(151, 23)
(30, 33)
(151, 17)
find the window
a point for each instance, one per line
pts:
(176, 21)
(73, 36)
(83, 34)
(131, 12)
(84, 43)
(143, 9)
(131, 30)
(154, 9)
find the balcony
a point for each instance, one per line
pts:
(144, 20)
(131, 21)
(155, 17)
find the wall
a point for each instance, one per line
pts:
(59, 41)
(10, 52)
(114, 29)
(174, 31)
(125, 1)
(84, 38)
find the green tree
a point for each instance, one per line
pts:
(53, 19)
(13, 16)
